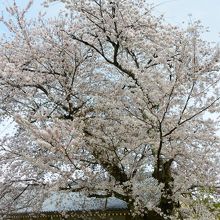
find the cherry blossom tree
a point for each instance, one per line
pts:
(110, 100)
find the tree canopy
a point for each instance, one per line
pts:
(110, 100)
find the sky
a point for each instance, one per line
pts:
(208, 11)
(36, 7)
(175, 11)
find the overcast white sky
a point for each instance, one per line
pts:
(208, 11)
(175, 11)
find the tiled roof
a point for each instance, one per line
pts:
(76, 214)
(78, 202)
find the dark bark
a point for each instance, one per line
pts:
(152, 216)
(163, 175)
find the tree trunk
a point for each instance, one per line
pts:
(163, 175)
(152, 215)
